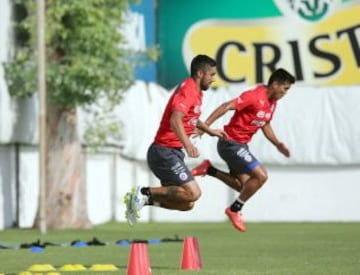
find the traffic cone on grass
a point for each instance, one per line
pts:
(191, 258)
(139, 261)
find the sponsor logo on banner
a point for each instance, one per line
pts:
(317, 40)
(308, 11)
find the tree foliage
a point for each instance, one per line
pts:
(86, 62)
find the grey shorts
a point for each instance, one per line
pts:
(168, 165)
(237, 156)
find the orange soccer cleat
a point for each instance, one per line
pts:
(201, 169)
(236, 219)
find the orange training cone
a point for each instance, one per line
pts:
(139, 261)
(191, 258)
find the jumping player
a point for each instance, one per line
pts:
(254, 110)
(165, 156)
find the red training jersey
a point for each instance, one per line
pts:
(252, 110)
(186, 99)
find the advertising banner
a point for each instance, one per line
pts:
(140, 35)
(317, 40)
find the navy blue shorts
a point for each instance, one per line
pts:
(168, 165)
(237, 156)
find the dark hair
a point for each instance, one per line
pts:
(281, 76)
(201, 61)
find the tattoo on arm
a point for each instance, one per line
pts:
(172, 191)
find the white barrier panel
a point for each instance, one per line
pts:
(317, 124)
(292, 193)
(7, 182)
(311, 194)
(29, 186)
(99, 188)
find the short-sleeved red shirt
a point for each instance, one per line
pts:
(186, 99)
(252, 110)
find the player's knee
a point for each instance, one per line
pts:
(193, 193)
(239, 184)
(262, 177)
(187, 206)
(196, 194)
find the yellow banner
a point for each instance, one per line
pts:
(321, 53)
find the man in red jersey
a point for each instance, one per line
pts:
(254, 110)
(165, 156)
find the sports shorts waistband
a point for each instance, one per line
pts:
(176, 148)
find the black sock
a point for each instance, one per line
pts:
(211, 171)
(236, 206)
(146, 191)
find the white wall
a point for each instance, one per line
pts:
(99, 189)
(307, 193)
(29, 186)
(292, 193)
(7, 184)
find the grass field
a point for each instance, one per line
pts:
(267, 248)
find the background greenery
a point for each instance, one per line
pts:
(267, 248)
(88, 62)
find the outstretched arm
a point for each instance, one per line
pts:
(220, 111)
(212, 132)
(270, 135)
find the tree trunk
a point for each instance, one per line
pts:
(66, 205)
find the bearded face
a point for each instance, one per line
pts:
(208, 77)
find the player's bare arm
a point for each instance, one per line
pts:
(219, 112)
(204, 128)
(176, 122)
(270, 135)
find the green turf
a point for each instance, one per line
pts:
(267, 248)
